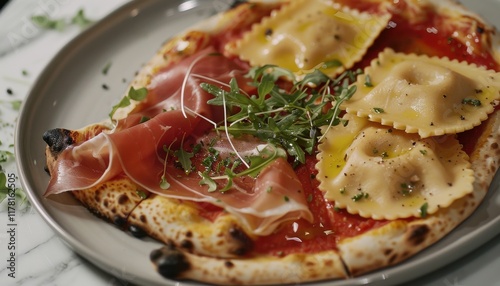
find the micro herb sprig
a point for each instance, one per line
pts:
(290, 119)
(184, 157)
(48, 23)
(257, 163)
(164, 184)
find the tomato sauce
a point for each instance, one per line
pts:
(329, 225)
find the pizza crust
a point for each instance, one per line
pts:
(262, 270)
(193, 253)
(180, 221)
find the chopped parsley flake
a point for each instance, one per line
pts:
(359, 196)
(423, 210)
(471, 101)
(368, 81)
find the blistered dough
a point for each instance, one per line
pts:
(429, 96)
(382, 173)
(309, 34)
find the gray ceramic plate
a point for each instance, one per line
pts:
(70, 94)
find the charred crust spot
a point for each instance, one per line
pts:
(418, 234)
(137, 231)
(393, 259)
(122, 199)
(119, 221)
(189, 234)
(170, 262)
(143, 219)
(246, 243)
(494, 145)
(97, 195)
(187, 245)
(228, 264)
(58, 139)
(388, 252)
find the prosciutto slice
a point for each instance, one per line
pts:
(177, 109)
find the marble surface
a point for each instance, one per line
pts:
(41, 257)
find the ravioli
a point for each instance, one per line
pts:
(375, 171)
(322, 36)
(428, 96)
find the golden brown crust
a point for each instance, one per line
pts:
(181, 222)
(261, 270)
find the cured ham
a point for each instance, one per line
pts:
(177, 111)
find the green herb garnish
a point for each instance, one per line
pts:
(46, 22)
(206, 180)
(423, 210)
(290, 119)
(141, 194)
(184, 158)
(359, 196)
(471, 101)
(368, 81)
(5, 155)
(378, 110)
(406, 189)
(80, 19)
(135, 94)
(106, 68)
(257, 164)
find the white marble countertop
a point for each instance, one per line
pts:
(42, 258)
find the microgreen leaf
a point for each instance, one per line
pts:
(290, 119)
(266, 85)
(4, 156)
(106, 68)
(16, 104)
(46, 22)
(164, 185)
(137, 94)
(80, 19)
(331, 64)
(184, 158)
(123, 103)
(423, 210)
(141, 194)
(206, 180)
(260, 161)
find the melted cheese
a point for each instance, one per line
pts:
(307, 34)
(431, 96)
(377, 172)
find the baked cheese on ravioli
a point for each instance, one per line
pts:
(322, 36)
(424, 95)
(375, 171)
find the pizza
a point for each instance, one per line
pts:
(289, 142)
